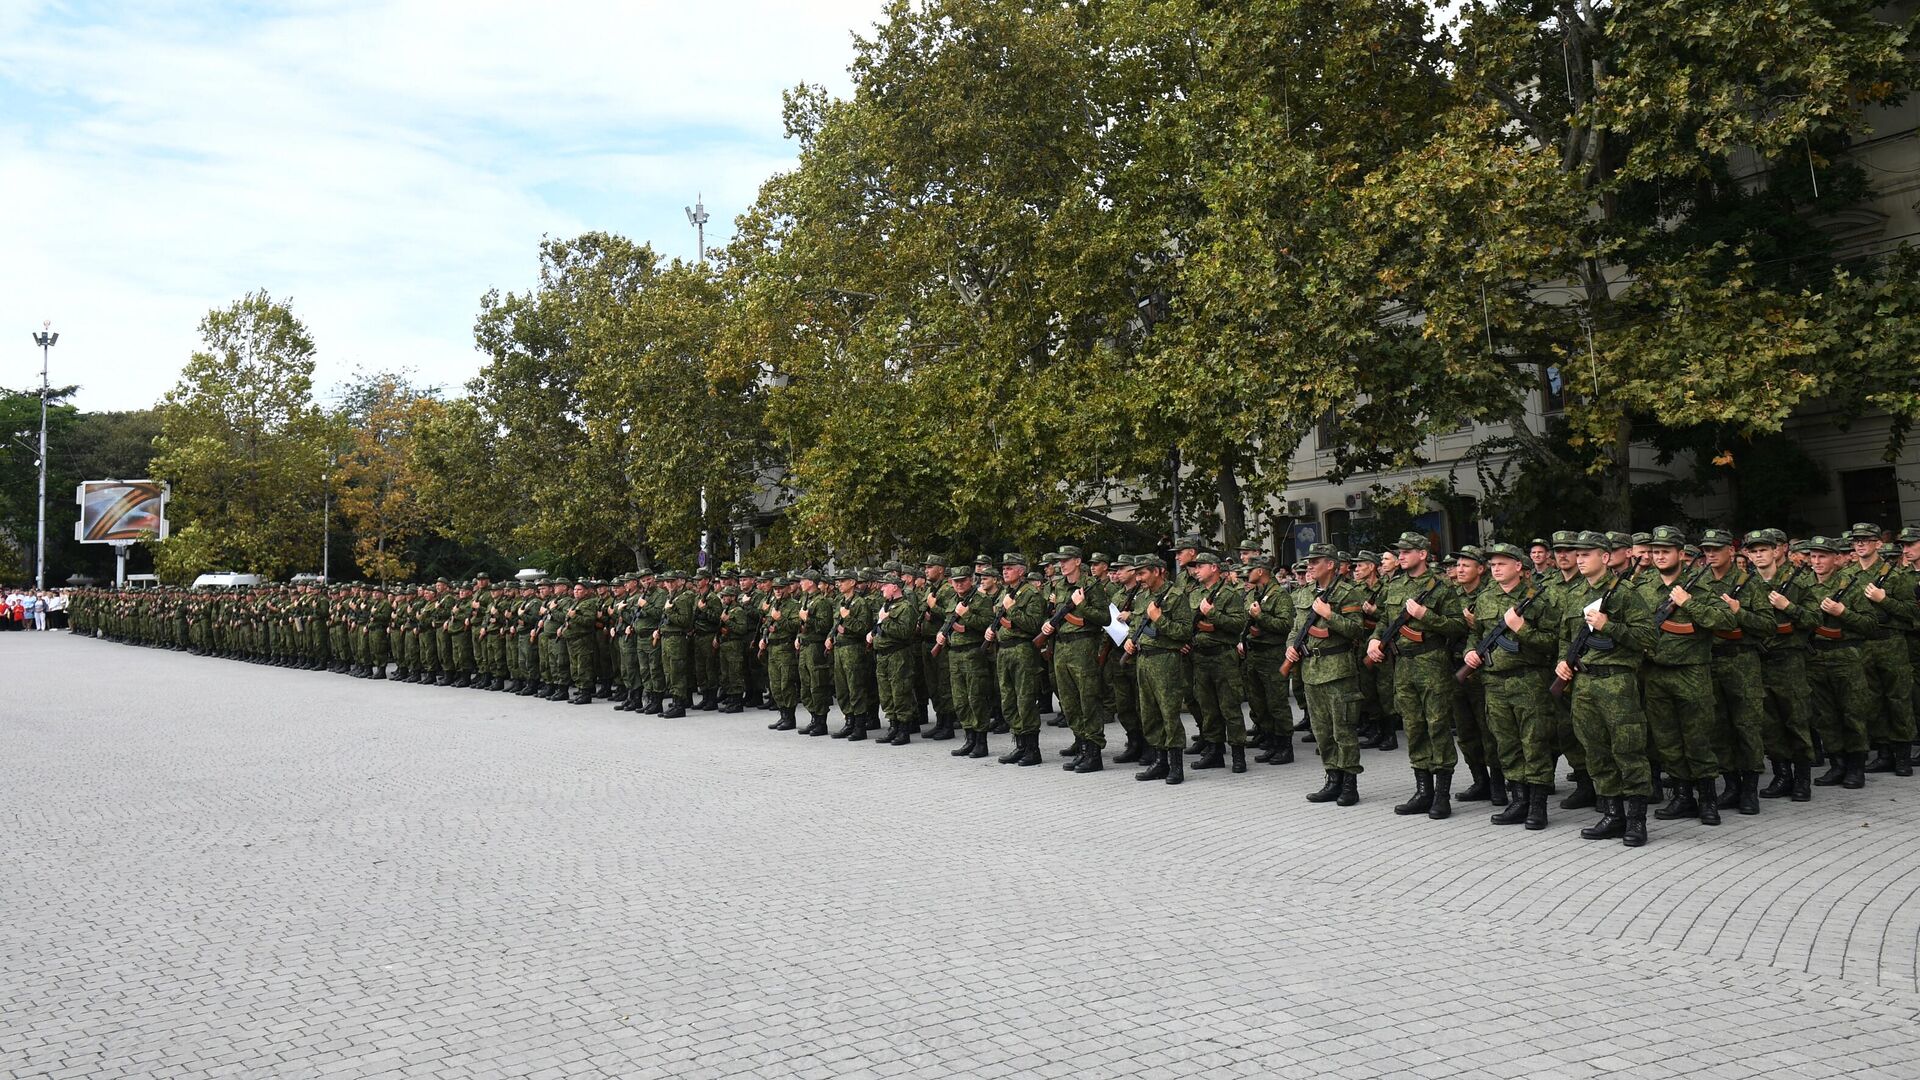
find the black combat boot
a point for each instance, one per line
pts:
(1442, 795)
(1349, 789)
(1582, 795)
(731, 704)
(1480, 790)
(1514, 811)
(858, 731)
(1836, 772)
(657, 704)
(1303, 724)
(787, 722)
(1239, 757)
(1072, 754)
(1156, 762)
(1176, 768)
(1368, 736)
(1802, 780)
(1135, 750)
(1198, 747)
(980, 746)
(1782, 783)
(965, 747)
(1032, 754)
(816, 725)
(1903, 759)
(1019, 751)
(1749, 793)
(1496, 785)
(583, 696)
(1709, 802)
(1635, 832)
(1882, 759)
(1612, 823)
(1212, 759)
(672, 708)
(1536, 802)
(1389, 740)
(846, 729)
(1729, 797)
(527, 688)
(942, 728)
(1856, 774)
(1422, 800)
(999, 726)
(1684, 805)
(1282, 752)
(1091, 760)
(1073, 748)
(1328, 792)
(380, 672)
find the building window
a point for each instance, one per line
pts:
(1553, 391)
(1339, 528)
(1329, 430)
(1871, 495)
(1463, 520)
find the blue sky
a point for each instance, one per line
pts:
(382, 163)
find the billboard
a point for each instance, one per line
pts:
(121, 511)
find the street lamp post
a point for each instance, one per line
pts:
(46, 339)
(697, 217)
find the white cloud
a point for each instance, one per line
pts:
(381, 163)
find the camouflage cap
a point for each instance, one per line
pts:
(1299, 567)
(1251, 545)
(553, 581)
(1412, 541)
(1324, 551)
(1365, 555)
(1824, 545)
(1048, 558)
(889, 579)
(867, 575)
(1764, 538)
(846, 575)
(1068, 551)
(1619, 541)
(934, 560)
(1205, 558)
(1588, 540)
(1642, 537)
(644, 571)
(729, 592)
(1909, 535)
(1539, 541)
(1692, 552)
(1469, 551)
(1149, 562)
(1342, 554)
(1667, 536)
(810, 575)
(1566, 539)
(1191, 540)
(1099, 557)
(1259, 562)
(442, 581)
(747, 574)
(985, 562)
(1863, 530)
(703, 574)
(1716, 538)
(1013, 558)
(1503, 551)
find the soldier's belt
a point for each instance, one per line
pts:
(1408, 633)
(1730, 635)
(889, 650)
(1783, 629)
(1823, 644)
(1331, 650)
(1829, 633)
(1729, 651)
(1509, 672)
(1606, 672)
(1682, 628)
(1422, 649)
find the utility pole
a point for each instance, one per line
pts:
(46, 339)
(326, 527)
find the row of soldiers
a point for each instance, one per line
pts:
(1720, 657)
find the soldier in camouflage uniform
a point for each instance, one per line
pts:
(1889, 589)
(1159, 628)
(1778, 591)
(962, 645)
(1518, 630)
(1219, 616)
(1739, 694)
(852, 662)
(1019, 613)
(892, 640)
(1608, 626)
(1325, 647)
(1264, 643)
(1076, 602)
(1677, 682)
(1419, 612)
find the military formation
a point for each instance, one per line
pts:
(1657, 665)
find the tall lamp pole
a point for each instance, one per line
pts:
(46, 339)
(697, 217)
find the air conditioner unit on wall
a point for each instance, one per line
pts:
(1359, 501)
(1298, 508)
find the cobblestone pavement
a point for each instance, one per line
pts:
(219, 869)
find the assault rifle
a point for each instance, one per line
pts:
(1043, 639)
(1299, 642)
(1493, 640)
(1665, 611)
(1577, 648)
(1400, 620)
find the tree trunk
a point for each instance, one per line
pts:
(1233, 516)
(1616, 507)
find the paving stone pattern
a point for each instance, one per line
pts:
(219, 869)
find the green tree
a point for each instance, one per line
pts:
(243, 445)
(378, 481)
(20, 480)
